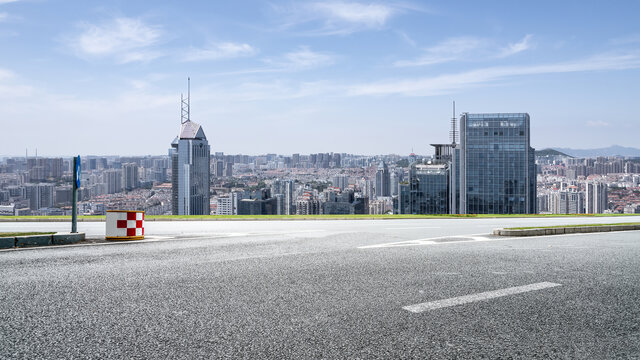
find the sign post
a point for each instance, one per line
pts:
(76, 185)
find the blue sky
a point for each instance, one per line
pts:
(105, 77)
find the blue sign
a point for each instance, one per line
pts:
(77, 179)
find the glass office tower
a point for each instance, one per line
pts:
(428, 189)
(190, 160)
(497, 165)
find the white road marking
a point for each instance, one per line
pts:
(433, 305)
(473, 238)
(413, 227)
(156, 238)
(430, 241)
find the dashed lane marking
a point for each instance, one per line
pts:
(460, 300)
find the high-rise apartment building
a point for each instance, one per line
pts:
(39, 195)
(341, 181)
(112, 179)
(228, 205)
(596, 198)
(190, 163)
(287, 189)
(497, 165)
(130, 177)
(566, 202)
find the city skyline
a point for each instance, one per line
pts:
(283, 77)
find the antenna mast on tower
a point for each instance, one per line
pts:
(185, 104)
(453, 133)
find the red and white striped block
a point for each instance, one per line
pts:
(125, 224)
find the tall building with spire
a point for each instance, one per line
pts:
(190, 161)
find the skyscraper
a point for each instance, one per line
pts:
(190, 161)
(497, 165)
(383, 180)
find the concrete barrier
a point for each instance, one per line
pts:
(125, 225)
(67, 238)
(7, 242)
(33, 240)
(624, 227)
(564, 230)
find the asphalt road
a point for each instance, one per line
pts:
(325, 289)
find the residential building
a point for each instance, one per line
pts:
(130, 176)
(596, 198)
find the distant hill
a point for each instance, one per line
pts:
(550, 152)
(614, 150)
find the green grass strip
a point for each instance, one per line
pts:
(318, 217)
(564, 226)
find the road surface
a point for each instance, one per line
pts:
(440, 288)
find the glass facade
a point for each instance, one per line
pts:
(497, 165)
(428, 189)
(190, 157)
(402, 205)
(383, 180)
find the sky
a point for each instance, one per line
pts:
(361, 77)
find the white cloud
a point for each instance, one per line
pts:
(5, 74)
(448, 50)
(459, 48)
(126, 39)
(305, 58)
(3, 16)
(138, 56)
(302, 58)
(597, 123)
(515, 48)
(12, 89)
(339, 17)
(278, 89)
(626, 40)
(451, 82)
(7, 1)
(406, 38)
(226, 50)
(370, 15)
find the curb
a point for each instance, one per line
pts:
(33, 240)
(7, 242)
(564, 230)
(40, 240)
(67, 238)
